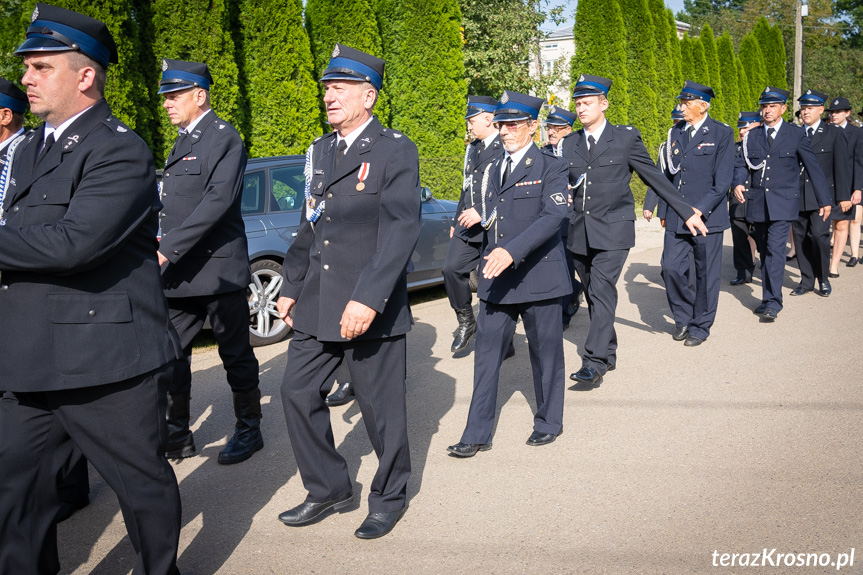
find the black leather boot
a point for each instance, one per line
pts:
(181, 442)
(247, 437)
(343, 394)
(466, 329)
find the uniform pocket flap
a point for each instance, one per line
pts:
(610, 161)
(50, 193)
(190, 167)
(90, 308)
(526, 192)
(620, 216)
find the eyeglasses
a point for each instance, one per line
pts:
(511, 126)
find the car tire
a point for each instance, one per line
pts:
(265, 325)
(474, 279)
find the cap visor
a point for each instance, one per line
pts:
(42, 45)
(510, 117)
(174, 87)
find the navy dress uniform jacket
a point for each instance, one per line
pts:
(736, 210)
(203, 235)
(81, 300)
(831, 150)
(360, 247)
(476, 163)
(774, 190)
(531, 207)
(603, 215)
(854, 147)
(706, 168)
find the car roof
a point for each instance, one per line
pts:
(274, 161)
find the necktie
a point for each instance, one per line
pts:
(690, 132)
(48, 143)
(770, 133)
(809, 131)
(179, 141)
(340, 152)
(591, 144)
(506, 171)
(480, 148)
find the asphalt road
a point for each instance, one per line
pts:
(751, 441)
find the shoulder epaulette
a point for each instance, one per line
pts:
(390, 133)
(115, 124)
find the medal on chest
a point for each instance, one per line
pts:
(362, 174)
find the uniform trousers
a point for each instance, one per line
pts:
(599, 271)
(740, 232)
(229, 317)
(812, 241)
(120, 428)
(772, 238)
(692, 308)
(377, 369)
(495, 324)
(462, 257)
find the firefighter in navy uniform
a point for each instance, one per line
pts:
(771, 160)
(345, 294)
(524, 273)
(463, 252)
(87, 345)
(204, 255)
(13, 105)
(699, 160)
(847, 224)
(73, 482)
(558, 124)
(742, 238)
(601, 159)
(811, 232)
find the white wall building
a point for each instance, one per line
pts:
(559, 46)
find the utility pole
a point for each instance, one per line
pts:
(802, 10)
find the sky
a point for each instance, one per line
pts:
(569, 10)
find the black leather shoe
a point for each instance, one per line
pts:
(852, 262)
(769, 315)
(692, 341)
(379, 524)
(832, 275)
(466, 329)
(743, 277)
(343, 394)
(467, 449)
(680, 333)
(308, 512)
(825, 289)
(760, 309)
(799, 290)
(538, 438)
(587, 375)
(247, 439)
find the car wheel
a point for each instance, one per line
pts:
(474, 279)
(265, 325)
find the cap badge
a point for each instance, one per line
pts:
(336, 51)
(808, 91)
(35, 14)
(164, 65)
(581, 78)
(553, 110)
(767, 89)
(505, 98)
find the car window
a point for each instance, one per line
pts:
(253, 193)
(287, 184)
